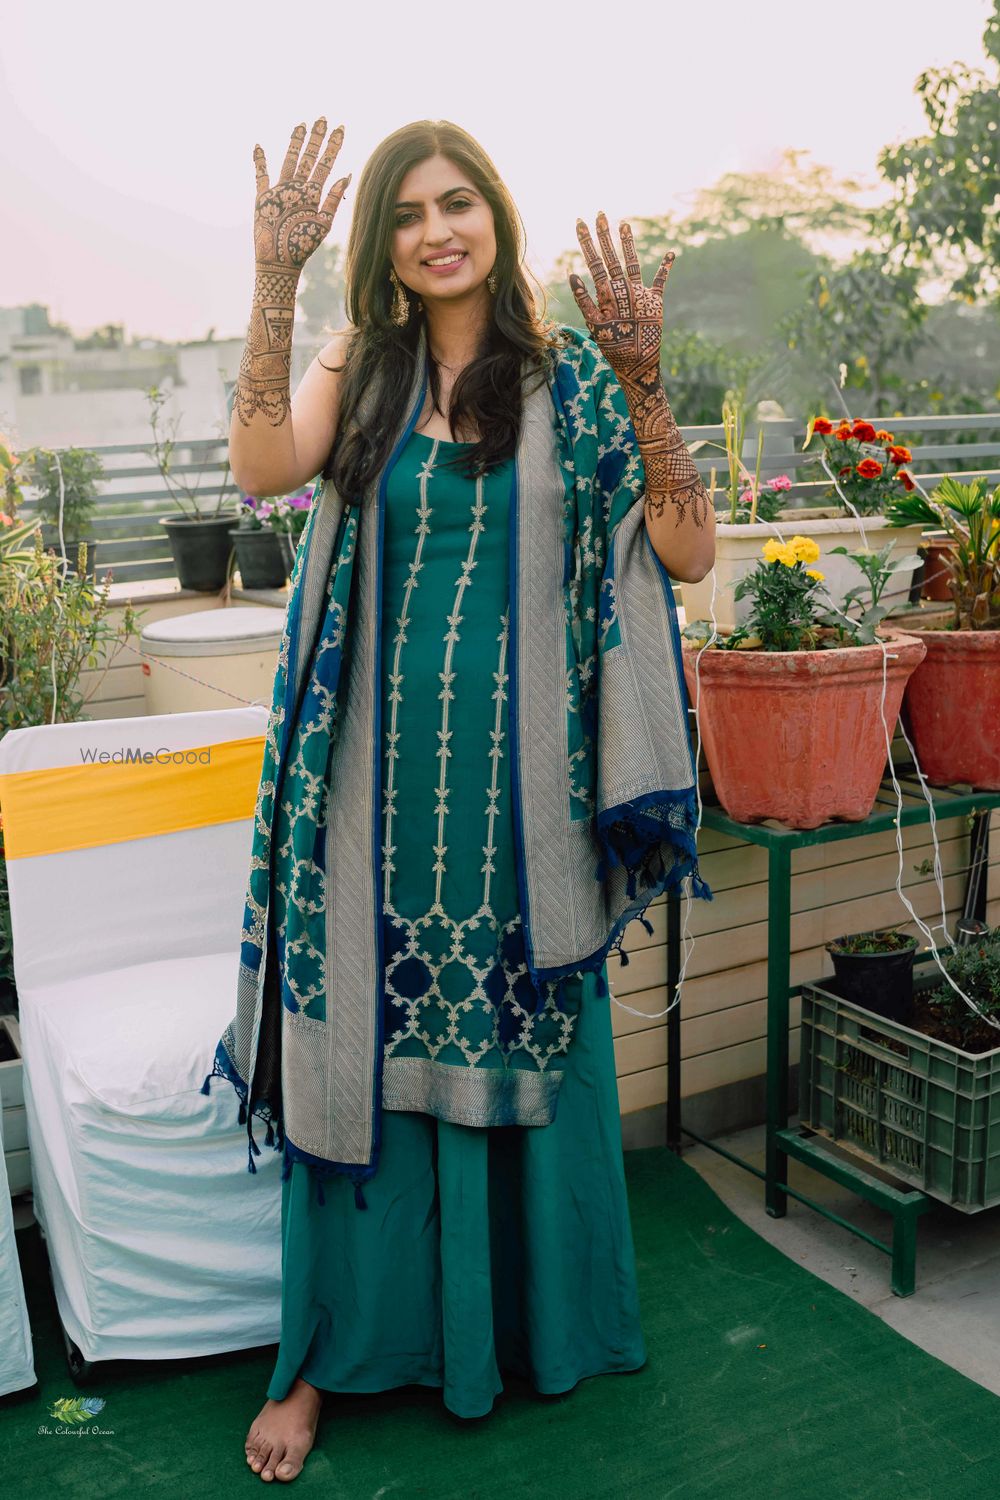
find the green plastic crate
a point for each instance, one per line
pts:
(928, 1113)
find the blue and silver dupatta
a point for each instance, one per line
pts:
(602, 775)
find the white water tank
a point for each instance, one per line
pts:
(213, 658)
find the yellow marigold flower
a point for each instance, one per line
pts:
(772, 549)
(815, 573)
(788, 556)
(805, 549)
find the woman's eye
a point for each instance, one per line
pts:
(455, 202)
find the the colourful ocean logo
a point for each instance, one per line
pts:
(76, 1409)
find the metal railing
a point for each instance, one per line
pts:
(132, 543)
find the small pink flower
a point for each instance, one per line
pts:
(265, 508)
(780, 482)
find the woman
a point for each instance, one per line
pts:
(481, 648)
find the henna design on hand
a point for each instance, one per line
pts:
(288, 222)
(288, 226)
(627, 324)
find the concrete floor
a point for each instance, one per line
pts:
(954, 1312)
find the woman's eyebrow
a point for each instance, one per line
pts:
(439, 199)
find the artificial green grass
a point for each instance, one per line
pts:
(762, 1381)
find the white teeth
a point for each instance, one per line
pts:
(447, 260)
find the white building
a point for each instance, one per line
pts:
(58, 391)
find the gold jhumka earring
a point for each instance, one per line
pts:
(400, 301)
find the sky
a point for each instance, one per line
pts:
(127, 131)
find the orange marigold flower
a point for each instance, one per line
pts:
(869, 468)
(900, 455)
(845, 470)
(863, 431)
(882, 436)
(843, 434)
(822, 424)
(907, 480)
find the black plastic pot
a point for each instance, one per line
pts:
(50, 538)
(263, 557)
(880, 982)
(201, 550)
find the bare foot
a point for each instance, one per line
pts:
(284, 1431)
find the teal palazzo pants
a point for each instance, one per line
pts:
(483, 1249)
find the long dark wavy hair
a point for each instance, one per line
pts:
(488, 393)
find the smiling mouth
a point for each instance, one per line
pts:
(449, 259)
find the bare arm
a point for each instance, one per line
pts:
(310, 425)
(288, 226)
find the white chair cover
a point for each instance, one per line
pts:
(162, 1244)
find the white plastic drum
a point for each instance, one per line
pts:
(214, 658)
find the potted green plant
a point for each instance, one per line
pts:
(875, 970)
(950, 707)
(920, 1099)
(975, 968)
(267, 536)
(199, 540)
(67, 482)
(869, 469)
(813, 676)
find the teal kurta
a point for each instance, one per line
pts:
(505, 1247)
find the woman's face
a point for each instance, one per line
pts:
(438, 211)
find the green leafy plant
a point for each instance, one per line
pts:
(971, 517)
(72, 472)
(975, 968)
(877, 571)
(52, 625)
(783, 608)
(10, 484)
(877, 940)
(13, 533)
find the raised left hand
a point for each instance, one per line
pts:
(627, 322)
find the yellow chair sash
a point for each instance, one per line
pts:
(58, 808)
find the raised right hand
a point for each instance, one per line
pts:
(288, 223)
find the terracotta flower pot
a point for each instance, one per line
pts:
(937, 581)
(797, 735)
(951, 708)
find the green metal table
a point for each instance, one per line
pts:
(904, 1204)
